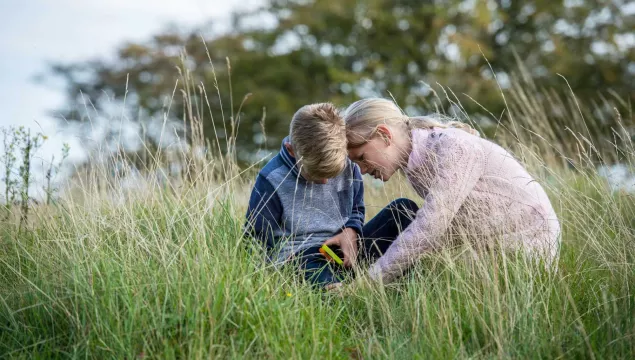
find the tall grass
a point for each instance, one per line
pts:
(166, 273)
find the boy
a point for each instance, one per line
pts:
(308, 194)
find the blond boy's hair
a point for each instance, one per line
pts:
(318, 137)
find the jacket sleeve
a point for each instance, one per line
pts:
(458, 166)
(264, 213)
(356, 220)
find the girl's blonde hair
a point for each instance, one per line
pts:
(364, 116)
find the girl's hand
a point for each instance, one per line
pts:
(361, 283)
(334, 287)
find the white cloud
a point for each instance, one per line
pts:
(35, 32)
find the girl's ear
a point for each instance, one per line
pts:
(385, 133)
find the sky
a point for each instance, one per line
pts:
(34, 33)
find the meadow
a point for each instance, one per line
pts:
(163, 271)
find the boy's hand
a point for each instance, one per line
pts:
(347, 241)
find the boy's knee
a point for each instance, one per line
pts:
(404, 204)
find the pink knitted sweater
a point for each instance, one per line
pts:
(474, 191)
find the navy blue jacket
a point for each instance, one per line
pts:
(289, 214)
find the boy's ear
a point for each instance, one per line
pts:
(289, 148)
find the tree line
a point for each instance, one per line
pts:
(453, 56)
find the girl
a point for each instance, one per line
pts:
(473, 189)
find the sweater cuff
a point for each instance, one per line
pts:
(355, 225)
(375, 273)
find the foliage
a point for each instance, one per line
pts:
(165, 275)
(290, 52)
(20, 148)
(54, 168)
(163, 271)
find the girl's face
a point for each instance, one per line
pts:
(380, 156)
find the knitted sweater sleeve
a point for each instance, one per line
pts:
(456, 165)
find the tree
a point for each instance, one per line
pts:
(341, 51)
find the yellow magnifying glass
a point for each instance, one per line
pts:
(330, 255)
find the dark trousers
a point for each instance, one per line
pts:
(376, 237)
